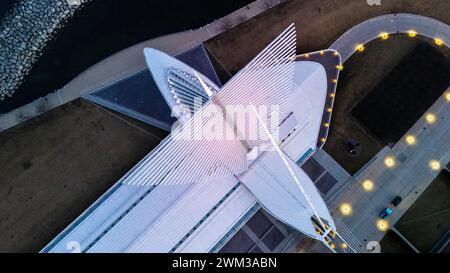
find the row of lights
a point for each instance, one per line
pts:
(343, 245)
(322, 52)
(411, 139)
(381, 224)
(389, 161)
(385, 36)
(368, 186)
(339, 67)
(438, 41)
(430, 118)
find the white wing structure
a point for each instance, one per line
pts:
(266, 82)
(187, 156)
(272, 185)
(214, 170)
(211, 144)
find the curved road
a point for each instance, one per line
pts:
(394, 23)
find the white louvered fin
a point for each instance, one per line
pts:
(210, 145)
(197, 151)
(266, 82)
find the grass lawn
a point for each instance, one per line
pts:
(447, 249)
(390, 244)
(428, 219)
(56, 165)
(403, 96)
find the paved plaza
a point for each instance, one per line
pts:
(404, 170)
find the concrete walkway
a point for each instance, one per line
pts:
(130, 60)
(409, 178)
(410, 175)
(396, 23)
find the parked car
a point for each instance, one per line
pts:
(385, 213)
(397, 200)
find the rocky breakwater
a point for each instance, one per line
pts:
(24, 32)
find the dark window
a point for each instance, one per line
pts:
(325, 183)
(273, 238)
(259, 224)
(240, 243)
(312, 168)
(256, 250)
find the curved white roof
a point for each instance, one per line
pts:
(177, 83)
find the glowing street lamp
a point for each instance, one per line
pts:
(389, 162)
(346, 209)
(435, 165)
(410, 139)
(382, 225)
(384, 35)
(438, 41)
(344, 246)
(447, 96)
(360, 47)
(430, 118)
(412, 33)
(368, 185)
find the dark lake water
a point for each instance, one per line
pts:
(104, 27)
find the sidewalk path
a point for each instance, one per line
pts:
(393, 24)
(408, 178)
